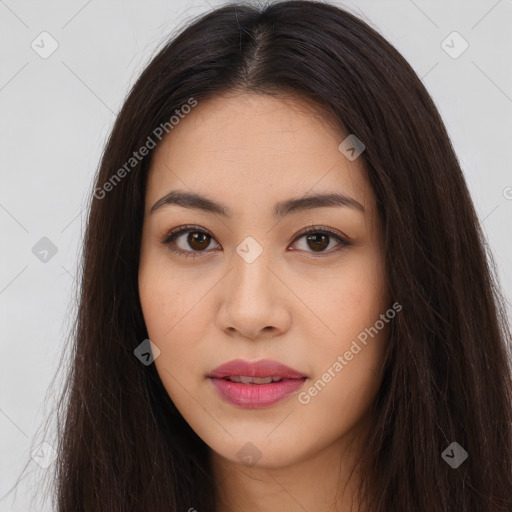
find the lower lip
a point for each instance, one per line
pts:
(256, 396)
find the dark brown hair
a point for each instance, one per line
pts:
(446, 378)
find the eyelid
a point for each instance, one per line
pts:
(174, 233)
(343, 240)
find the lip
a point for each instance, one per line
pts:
(255, 396)
(262, 368)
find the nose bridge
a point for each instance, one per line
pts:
(251, 276)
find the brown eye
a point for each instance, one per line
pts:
(318, 241)
(197, 241)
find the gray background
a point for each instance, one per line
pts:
(56, 113)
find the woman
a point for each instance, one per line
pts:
(279, 186)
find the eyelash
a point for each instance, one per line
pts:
(172, 235)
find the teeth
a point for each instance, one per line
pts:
(253, 380)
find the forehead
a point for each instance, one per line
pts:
(249, 149)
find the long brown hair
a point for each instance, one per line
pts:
(447, 375)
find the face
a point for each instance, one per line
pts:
(302, 285)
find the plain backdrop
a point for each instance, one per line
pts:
(55, 115)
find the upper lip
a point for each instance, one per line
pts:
(261, 368)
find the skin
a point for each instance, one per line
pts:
(298, 303)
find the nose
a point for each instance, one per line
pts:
(254, 300)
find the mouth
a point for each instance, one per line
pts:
(254, 385)
(245, 379)
(252, 372)
(255, 395)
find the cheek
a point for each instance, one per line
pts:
(175, 327)
(348, 361)
(170, 301)
(346, 376)
(354, 298)
(176, 315)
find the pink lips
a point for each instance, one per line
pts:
(253, 396)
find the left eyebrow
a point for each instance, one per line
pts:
(282, 208)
